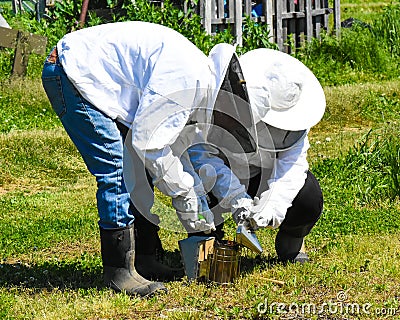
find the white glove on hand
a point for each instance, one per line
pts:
(187, 207)
(241, 206)
(194, 212)
(206, 218)
(261, 216)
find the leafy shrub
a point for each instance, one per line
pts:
(172, 17)
(254, 35)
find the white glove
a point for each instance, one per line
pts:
(206, 219)
(261, 216)
(187, 207)
(194, 212)
(241, 206)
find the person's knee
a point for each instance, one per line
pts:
(297, 231)
(306, 209)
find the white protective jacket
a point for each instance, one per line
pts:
(152, 79)
(284, 174)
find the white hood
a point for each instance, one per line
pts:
(283, 92)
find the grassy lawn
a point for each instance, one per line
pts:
(50, 263)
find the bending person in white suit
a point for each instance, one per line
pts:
(263, 170)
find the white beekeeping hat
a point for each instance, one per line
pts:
(283, 92)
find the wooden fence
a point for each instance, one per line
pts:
(33, 6)
(289, 21)
(24, 44)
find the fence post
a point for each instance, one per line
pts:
(268, 13)
(336, 22)
(317, 20)
(309, 22)
(301, 25)
(326, 16)
(238, 22)
(292, 26)
(17, 6)
(207, 15)
(84, 9)
(278, 24)
(40, 7)
(247, 7)
(21, 54)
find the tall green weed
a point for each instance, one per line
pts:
(387, 29)
(368, 173)
(361, 53)
(361, 186)
(354, 57)
(255, 36)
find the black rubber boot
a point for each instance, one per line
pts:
(118, 254)
(289, 248)
(150, 253)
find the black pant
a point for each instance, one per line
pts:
(300, 218)
(306, 207)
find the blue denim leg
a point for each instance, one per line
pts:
(98, 140)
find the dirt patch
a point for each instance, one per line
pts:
(3, 191)
(21, 185)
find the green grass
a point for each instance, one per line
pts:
(363, 9)
(366, 11)
(25, 106)
(364, 267)
(50, 262)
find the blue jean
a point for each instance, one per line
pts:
(97, 139)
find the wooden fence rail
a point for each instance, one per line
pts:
(24, 44)
(292, 21)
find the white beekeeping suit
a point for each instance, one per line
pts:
(149, 92)
(279, 89)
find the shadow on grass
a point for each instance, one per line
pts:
(49, 275)
(249, 264)
(84, 272)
